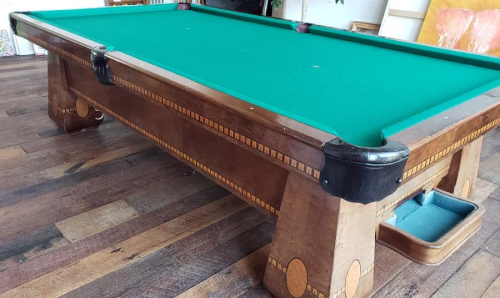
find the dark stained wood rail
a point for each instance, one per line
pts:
(106, 214)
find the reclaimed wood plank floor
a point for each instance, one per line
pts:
(107, 214)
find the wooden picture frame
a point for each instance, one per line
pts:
(367, 28)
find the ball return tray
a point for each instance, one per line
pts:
(431, 226)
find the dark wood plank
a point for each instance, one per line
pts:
(17, 68)
(23, 103)
(388, 264)
(30, 245)
(493, 244)
(128, 252)
(50, 164)
(170, 192)
(25, 122)
(242, 279)
(50, 133)
(56, 177)
(63, 256)
(15, 138)
(189, 261)
(258, 291)
(19, 74)
(20, 60)
(31, 109)
(22, 90)
(58, 193)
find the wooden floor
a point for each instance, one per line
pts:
(107, 214)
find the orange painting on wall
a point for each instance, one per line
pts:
(468, 25)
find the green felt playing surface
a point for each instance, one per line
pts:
(353, 86)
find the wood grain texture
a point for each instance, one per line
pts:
(493, 244)
(190, 261)
(37, 267)
(388, 264)
(49, 183)
(59, 177)
(235, 279)
(29, 245)
(473, 278)
(494, 289)
(483, 190)
(489, 169)
(115, 154)
(171, 191)
(11, 152)
(101, 263)
(96, 220)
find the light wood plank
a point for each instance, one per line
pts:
(86, 270)
(11, 152)
(493, 244)
(473, 278)
(494, 290)
(233, 280)
(483, 190)
(96, 220)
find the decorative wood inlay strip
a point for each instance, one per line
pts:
(57, 50)
(208, 122)
(224, 130)
(65, 111)
(309, 287)
(248, 141)
(179, 153)
(434, 158)
(440, 173)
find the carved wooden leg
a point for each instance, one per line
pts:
(71, 114)
(462, 177)
(323, 246)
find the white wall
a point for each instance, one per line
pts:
(404, 28)
(327, 13)
(7, 6)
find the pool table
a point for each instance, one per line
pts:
(328, 131)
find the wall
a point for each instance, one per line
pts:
(401, 26)
(328, 13)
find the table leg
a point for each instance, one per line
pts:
(71, 114)
(323, 246)
(464, 168)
